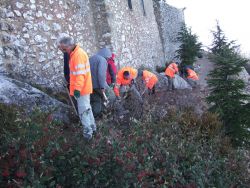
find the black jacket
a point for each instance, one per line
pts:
(66, 66)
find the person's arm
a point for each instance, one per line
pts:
(117, 87)
(66, 67)
(102, 70)
(112, 73)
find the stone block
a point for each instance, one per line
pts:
(19, 5)
(56, 27)
(6, 38)
(6, 26)
(9, 52)
(39, 14)
(1, 51)
(18, 13)
(28, 15)
(33, 7)
(10, 14)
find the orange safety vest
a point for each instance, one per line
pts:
(121, 81)
(149, 78)
(192, 75)
(171, 70)
(80, 75)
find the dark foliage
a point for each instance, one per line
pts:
(227, 97)
(190, 48)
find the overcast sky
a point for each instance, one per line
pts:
(233, 17)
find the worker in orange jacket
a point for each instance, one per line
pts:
(170, 72)
(80, 82)
(191, 77)
(125, 82)
(149, 80)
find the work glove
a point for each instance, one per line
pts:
(132, 81)
(76, 94)
(112, 85)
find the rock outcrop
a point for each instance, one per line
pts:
(14, 92)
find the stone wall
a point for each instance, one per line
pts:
(170, 20)
(135, 35)
(28, 32)
(29, 29)
(102, 27)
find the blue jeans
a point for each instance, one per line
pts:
(86, 116)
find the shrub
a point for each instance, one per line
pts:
(190, 48)
(172, 152)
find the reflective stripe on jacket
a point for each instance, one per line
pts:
(80, 75)
(149, 78)
(121, 81)
(171, 70)
(192, 75)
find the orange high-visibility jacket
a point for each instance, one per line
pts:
(80, 75)
(192, 75)
(121, 81)
(171, 70)
(149, 78)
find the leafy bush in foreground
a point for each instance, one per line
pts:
(181, 150)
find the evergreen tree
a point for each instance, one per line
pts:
(190, 47)
(220, 41)
(227, 97)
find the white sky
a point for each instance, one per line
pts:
(233, 17)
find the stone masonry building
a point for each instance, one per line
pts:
(139, 32)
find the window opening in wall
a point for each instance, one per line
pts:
(143, 7)
(130, 4)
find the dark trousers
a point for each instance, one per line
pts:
(96, 101)
(151, 91)
(170, 83)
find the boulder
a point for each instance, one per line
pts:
(14, 92)
(162, 80)
(180, 83)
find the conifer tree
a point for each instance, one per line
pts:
(227, 97)
(190, 47)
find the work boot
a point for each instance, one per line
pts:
(93, 128)
(94, 134)
(87, 134)
(87, 137)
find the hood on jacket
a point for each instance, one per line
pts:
(105, 52)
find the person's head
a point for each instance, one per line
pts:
(126, 75)
(66, 44)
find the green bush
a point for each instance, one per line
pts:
(190, 48)
(173, 152)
